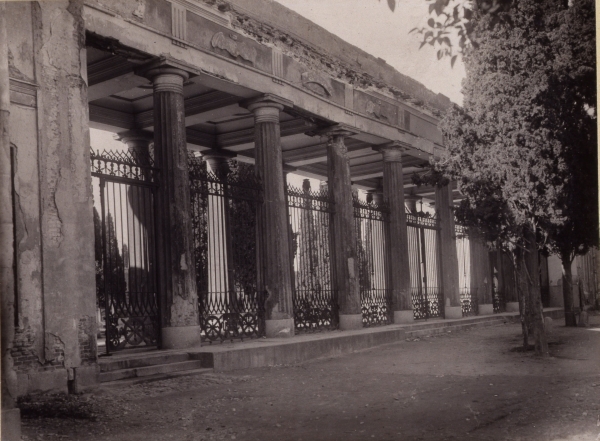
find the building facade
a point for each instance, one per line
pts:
(194, 232)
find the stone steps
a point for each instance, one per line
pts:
(147, 366)
(122, 361)
(155, 377)
(441, 328)
(128, 368)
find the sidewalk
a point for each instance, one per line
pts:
(470, 384)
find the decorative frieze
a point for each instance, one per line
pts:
(230, 44)
(198, 8)
(317, 83)
(375, 107)
(277, 60)
(178, 22)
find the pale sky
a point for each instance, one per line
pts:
(371, 26)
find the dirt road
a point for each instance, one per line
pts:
(469, 385)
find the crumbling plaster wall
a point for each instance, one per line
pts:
(272, 23)
(56, 327)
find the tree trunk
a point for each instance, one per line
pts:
(534, 294)
(567, 288)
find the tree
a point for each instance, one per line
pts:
(451, 24)
(114, 272)
(572, 97)
(525, 128)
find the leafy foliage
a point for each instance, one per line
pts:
(523, 147)
(451, 24)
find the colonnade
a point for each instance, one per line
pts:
(176, 278)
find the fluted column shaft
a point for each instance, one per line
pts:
(449, 259)
(343, 234)
(179, 309)
(273, 234)
(393, 194)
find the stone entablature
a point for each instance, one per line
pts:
(277, 56)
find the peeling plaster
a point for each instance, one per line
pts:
(318, 60)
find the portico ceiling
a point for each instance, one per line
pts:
(120, 100)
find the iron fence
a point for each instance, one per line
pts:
(468, 293)
(498, 301)
(126, 280)
(425, 268)
(224, 211)
(314, 296)
(372, 238)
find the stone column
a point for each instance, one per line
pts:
(376, 195)
(449, 258)
(287, 169)
(175, 260)
(345, 258)
(481, 277)
(411, 202)
(137, 142)
(273, 234)
(11, 417)
(139, 218)
(393, 194)
(220, 254)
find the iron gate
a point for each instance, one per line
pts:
(126, 285)
(371, 226)
(425, 268)
(468, 293)
(224, 207)
(314, 298)
(498, 274)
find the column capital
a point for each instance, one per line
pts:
(166, 75)
(391, 151)
(137, 141)
(217, 154)
(135, 137)
(337, 130)
(268, 101)
(217, 159)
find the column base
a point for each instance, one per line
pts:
(180, 337)
(512, 306)
(282, 328)
(349, 322)
(486, 309)
(11, 424)
(403, 317)
(452, 312)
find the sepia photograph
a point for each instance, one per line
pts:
(303, 220)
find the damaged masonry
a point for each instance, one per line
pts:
(264, 188)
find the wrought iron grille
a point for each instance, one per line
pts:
(498, 296)
(126, 288)
(498, 301)
(314, 297)
(371, 226)
(224, 210)
(469, 301)
(468, 293)
(425, 268)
